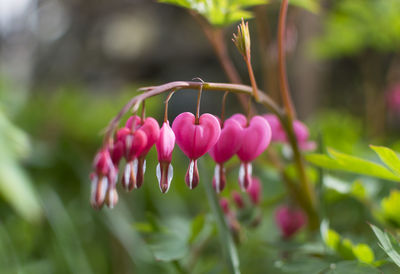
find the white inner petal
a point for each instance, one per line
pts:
(144, 167)
(191, 167)
(135, 168)
(94, 188)
(158, 174)
(127, 174)
(103, 185)
(217, 178)
(170, 175)
(241, 176)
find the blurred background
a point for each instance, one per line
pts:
(67, 67)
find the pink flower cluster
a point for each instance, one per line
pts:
(194, 136)
(300, 130)
(254, 192)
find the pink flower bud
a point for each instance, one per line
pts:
(256, 138)
(255, 190)
(195, 140)
(289, 220)
(237, 198)
(229, 142)
(224, 205)
(165, 145)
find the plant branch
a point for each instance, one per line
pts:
(156, 90)
(307, 191)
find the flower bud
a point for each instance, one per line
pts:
(289, 220)
(237, 198)
(165, 145)
(254, 191)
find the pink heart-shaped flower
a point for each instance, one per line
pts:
(152, 131)
(195, 139)
(256, 138)
(228, 144)
(133, 143)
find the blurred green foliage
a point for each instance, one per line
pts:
(225, 12)
(353, 26)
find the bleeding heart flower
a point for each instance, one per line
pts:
(289, 220)
(165, 145)
(133, 142)
(300, 130)
(228, 144)
(152, 131)
(104, 180)
(256, 138)
(277, 132)
(254, 190)
(195, 139)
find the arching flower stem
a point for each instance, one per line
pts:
(166, 105)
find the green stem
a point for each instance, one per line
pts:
(307, 193)
(223, 230)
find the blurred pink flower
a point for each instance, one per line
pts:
(393, 98)
(289, 220)
(300, 130)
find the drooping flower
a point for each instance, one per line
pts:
(195, 139)
(151, 129)
(228, 144)
(256, 138)
(289, 220)
(165, 145)
(133, 143)
(104, 179)
(300, 130)
(254, 190)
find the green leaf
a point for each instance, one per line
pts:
(344, 162)
(344, 247)
(168, 247)
(390, 207)
(16, 188)
(389, 157)
(196, 227)
(219, 12)
(364, 253)
(386, 245)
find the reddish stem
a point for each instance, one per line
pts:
(283, 82)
